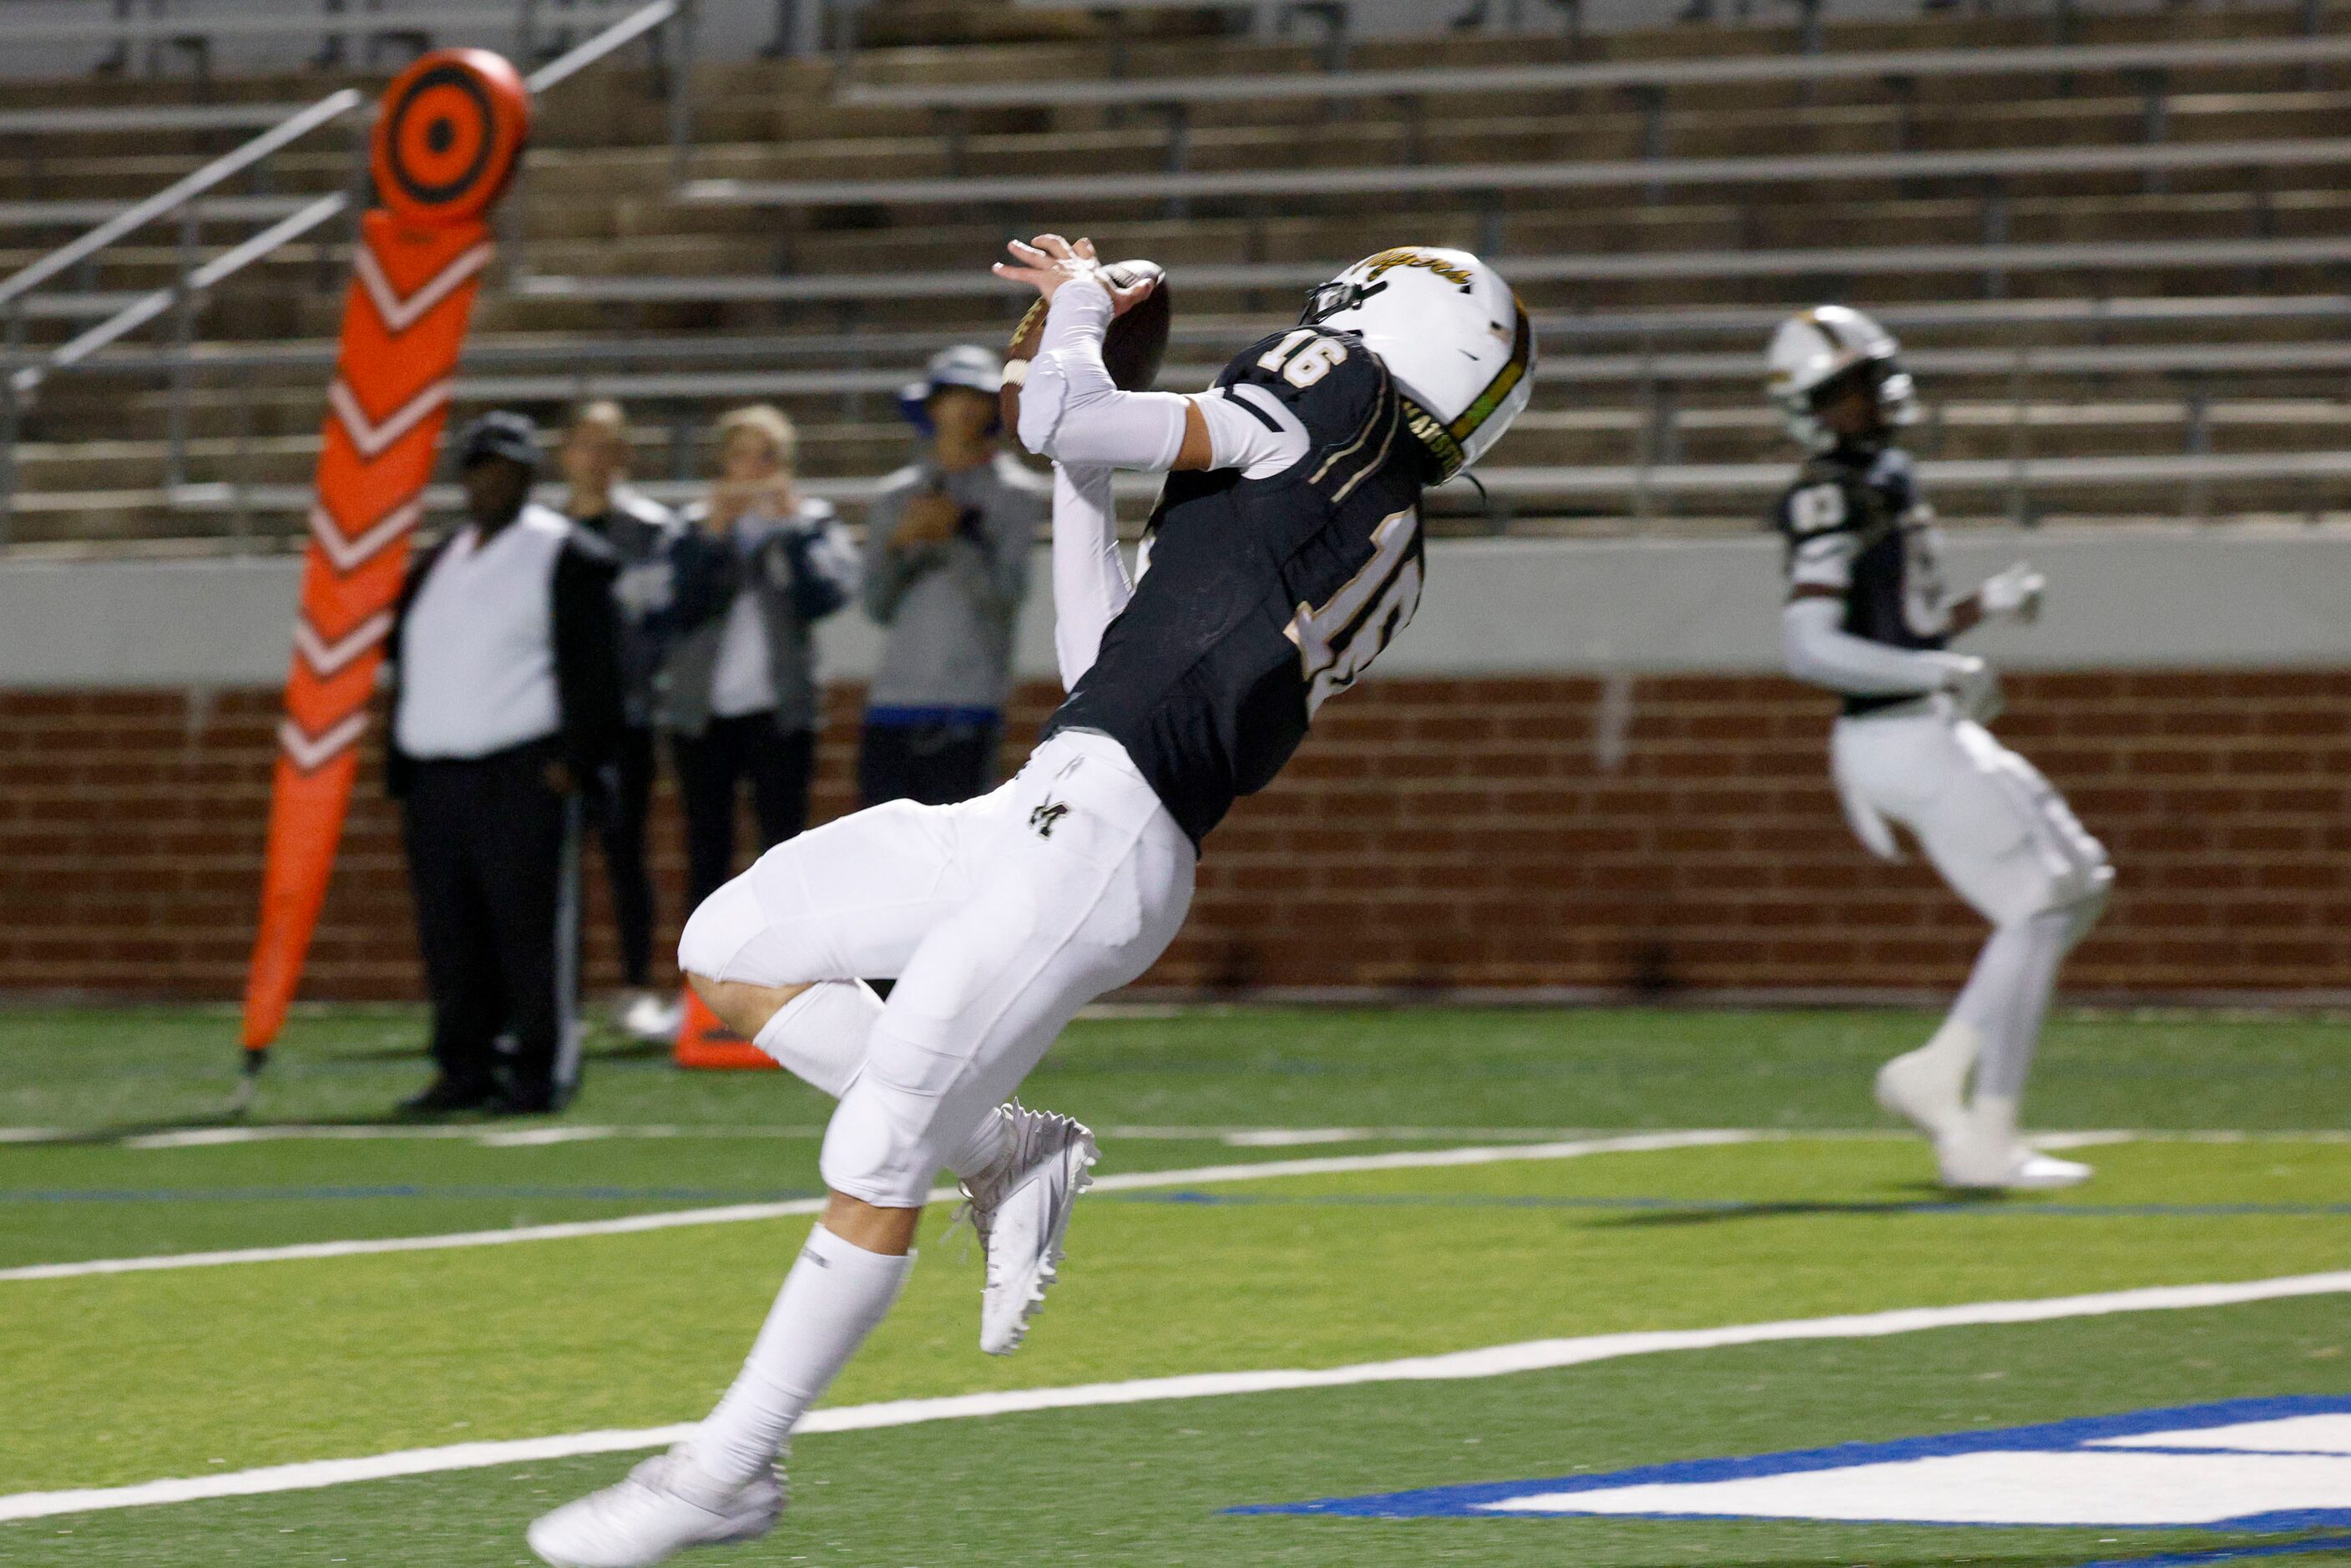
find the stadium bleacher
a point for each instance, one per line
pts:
(2118, 259)
(1553, 1111)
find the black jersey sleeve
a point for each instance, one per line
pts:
(1823, 519)
(1337, 388)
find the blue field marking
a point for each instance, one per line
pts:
(1489, 1500)
(2226, 1553)
(1970, 1208)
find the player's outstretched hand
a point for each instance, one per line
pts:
(2013, 594)
(1051, 261)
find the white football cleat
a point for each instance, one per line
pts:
(1022, 1210)
(1968, 1166)
(1923, 1089)
(663, 1506)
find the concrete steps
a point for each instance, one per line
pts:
(597, 201)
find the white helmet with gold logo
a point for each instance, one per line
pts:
(1452, 334)
(1817, 354)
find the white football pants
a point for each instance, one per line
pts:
(999, 917)
(1998, 831)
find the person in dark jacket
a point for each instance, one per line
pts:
(505, 713)
(947, 564)
(738, 693)
(671, 579)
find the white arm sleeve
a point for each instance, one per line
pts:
(1090, 580)
(1819, 652)
(1251, 430)
(1071, 411)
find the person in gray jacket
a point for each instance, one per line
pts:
(947, 564)
(737, 693)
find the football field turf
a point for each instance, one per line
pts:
(1421, 1184)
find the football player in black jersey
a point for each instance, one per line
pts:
(1868, 616)
(1284, 555)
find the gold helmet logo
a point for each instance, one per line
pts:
(1389, 260)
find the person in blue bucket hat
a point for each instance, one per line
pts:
(946, 566)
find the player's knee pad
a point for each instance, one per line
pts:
(2097, 888)
(720, 928)
(879, 1147)
(916, 1079)
(2072, 899)
(2087, 880)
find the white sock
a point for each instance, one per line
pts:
(1991, 1122)
(1952, 1050)
(990, 1143)
(831, 1301)
(821, 1037)
(2032, 949)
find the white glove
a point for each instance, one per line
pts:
(1974, 687)
(2014, 594)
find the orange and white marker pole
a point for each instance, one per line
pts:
(448, 136)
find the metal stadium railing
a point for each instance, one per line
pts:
(183, 205)
(1647, 359)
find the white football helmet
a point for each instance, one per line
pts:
(1452, 334)
(1826, 344)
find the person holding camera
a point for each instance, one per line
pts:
(737, 693)
(947, 565)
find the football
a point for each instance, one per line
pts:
(1132, 349)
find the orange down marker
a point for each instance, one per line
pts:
(448, 135)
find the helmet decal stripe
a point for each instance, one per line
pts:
(1499, 388)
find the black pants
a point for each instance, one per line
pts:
(710, 767)
(931, 764)
(623, 832)
(493, 863)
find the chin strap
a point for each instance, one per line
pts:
(1485, 501)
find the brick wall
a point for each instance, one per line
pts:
(1488, 832)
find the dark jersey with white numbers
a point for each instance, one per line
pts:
(1263, 597)
(1856, 526)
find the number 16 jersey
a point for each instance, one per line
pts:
(1264, 597)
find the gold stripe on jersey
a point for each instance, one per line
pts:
(1362, 435)
(1379, 459)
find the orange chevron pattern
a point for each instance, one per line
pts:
(415, 276)
(383, 425)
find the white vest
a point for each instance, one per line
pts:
(478, 651)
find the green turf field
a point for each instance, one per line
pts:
(114, 1379)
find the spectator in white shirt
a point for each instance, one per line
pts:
(504, 658)
(738, 694)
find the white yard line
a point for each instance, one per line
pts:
(736, 1214)
(1494, 1361)
(495, 1136)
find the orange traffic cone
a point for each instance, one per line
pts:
(704, 1043)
